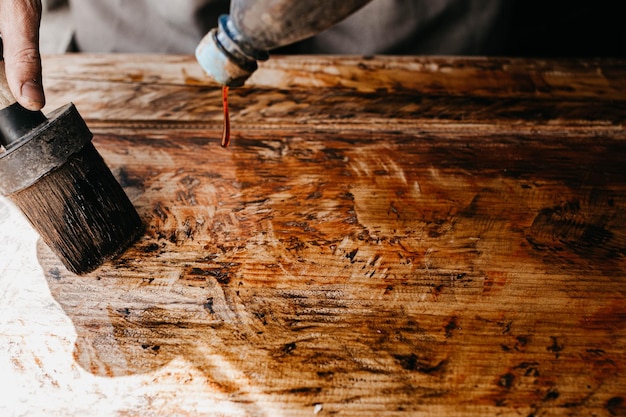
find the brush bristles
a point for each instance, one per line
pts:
(81, 212)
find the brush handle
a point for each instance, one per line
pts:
(15, 120)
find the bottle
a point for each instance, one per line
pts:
(229, 53)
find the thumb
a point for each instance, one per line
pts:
(19, 27)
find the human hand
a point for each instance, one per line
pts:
(19, 28)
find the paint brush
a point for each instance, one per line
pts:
(51, 171)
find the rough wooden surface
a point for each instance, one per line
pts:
(384, 236)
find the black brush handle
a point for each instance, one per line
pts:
(15, 120)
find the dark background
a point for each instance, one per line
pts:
(553, 28)
(558, 28)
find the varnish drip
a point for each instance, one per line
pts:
(226, 130)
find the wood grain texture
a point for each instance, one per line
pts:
(384, 236)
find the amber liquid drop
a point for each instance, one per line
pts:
(226, 130)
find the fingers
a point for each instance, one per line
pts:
(19, 27)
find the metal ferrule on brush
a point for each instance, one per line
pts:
(42, 150)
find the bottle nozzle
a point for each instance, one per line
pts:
(225, 56)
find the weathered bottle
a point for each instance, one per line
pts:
(229, 53)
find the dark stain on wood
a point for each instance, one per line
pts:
(413, 362)
(615, 406)
(506, 380)
(555, 347)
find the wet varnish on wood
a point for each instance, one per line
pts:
(383, 236)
